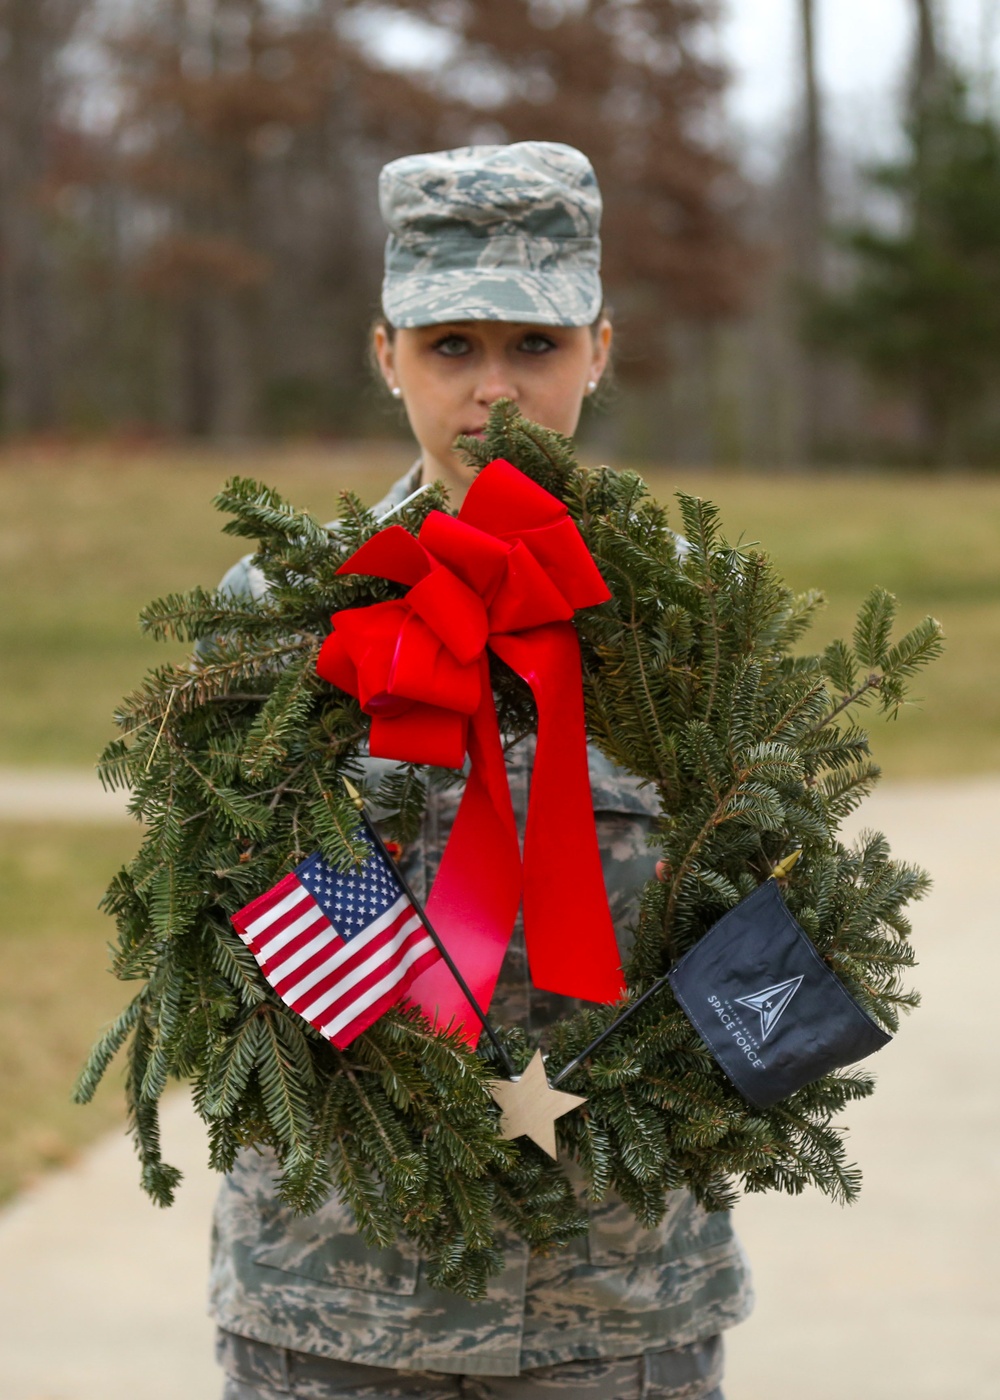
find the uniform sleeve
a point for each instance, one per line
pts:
(244, 580)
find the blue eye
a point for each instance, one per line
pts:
(536, 344)
(452, 345)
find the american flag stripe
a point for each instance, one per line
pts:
(301, 956)
(386, 989)
(342, 1024)
(283, 954)
(291, 959)
(273, 905)
(287, 955)
(287, 926)
(335, 987)
(338, 948)
(335, 966)
(277, 957)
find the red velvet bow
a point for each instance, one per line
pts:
(508, 573)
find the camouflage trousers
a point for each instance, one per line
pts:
(257, 1371)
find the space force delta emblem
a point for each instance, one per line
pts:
(766, 1005)
(771, 1002)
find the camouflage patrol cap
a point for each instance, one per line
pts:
(492, 233)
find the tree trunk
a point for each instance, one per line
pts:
(808, 225)
(812, 184)
(196, 364)
(926, 80)
(234, 408)
(26, 316)
(927, 58)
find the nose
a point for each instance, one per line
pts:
(495, 381)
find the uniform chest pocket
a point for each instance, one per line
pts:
(616, 1239)
(327, 1248)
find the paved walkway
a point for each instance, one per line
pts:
(58, 795)
(898, 1296)
(101, 1295)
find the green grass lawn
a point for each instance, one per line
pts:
(56, 992)
(88, 536)
(935, 543)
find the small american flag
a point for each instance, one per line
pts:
(338, 948)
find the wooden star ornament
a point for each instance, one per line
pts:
(530, 1106)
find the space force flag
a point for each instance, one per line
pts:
(766, 1005)
(338, 947)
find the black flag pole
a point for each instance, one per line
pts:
(494, 1039)
(780, 871)
(616, 1024)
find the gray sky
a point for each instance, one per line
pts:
(863, 49)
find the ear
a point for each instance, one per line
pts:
(384, 355)
(602, 348)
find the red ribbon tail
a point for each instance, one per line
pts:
(568, 930)
(474, 900)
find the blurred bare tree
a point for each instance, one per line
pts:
(33, 36)
(222, 107)
(190, 241)
(631, 85)
(213, 241)
(241, 137)
(927, 64)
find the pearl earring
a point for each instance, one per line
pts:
(396, 392)
(591, 385)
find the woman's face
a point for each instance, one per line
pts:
(450, 375)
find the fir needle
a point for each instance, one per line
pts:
(159, 732)
(615, 1024)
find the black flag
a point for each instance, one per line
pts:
(766, 1005)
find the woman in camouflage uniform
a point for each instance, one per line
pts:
(492, 290)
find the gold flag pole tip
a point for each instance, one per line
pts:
(785, 867)
(352, 792)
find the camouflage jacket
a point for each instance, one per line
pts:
(312, 1285)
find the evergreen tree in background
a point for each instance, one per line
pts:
(923, 315)
(33, 85)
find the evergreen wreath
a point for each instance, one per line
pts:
(693, 681)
